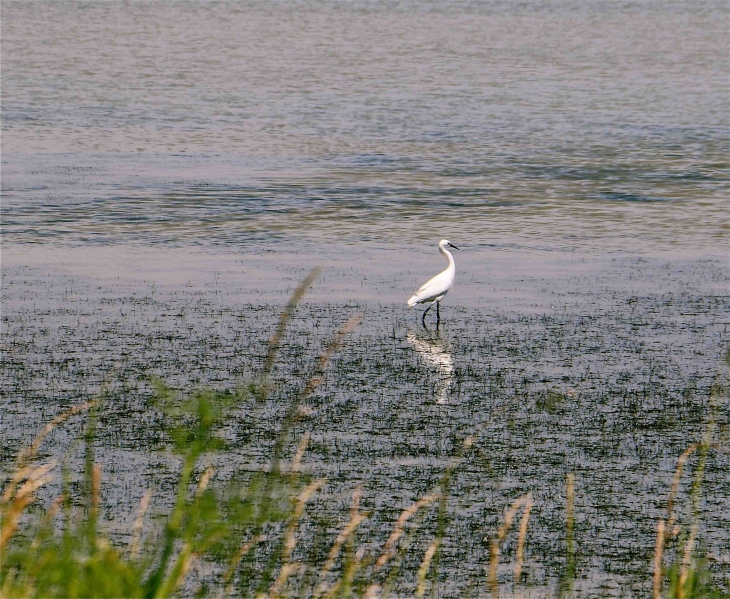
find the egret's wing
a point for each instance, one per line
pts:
(425, 286)
(429, 291)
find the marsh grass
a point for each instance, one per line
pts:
(251, 532)
(687, 572)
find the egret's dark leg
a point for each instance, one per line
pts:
(423, 318)
(438, 312)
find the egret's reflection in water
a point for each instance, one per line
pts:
(434, 353)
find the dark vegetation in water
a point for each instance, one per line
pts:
(547, 470)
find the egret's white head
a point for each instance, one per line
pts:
(444, 243)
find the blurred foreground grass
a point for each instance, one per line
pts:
(251, 532)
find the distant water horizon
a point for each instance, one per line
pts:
(586, 127)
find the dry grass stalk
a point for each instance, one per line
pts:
(95, 489)
(95, 493)
(186, 559)
(28, 454)
(519, 560)
(138, 522)
(372, 591)
(187, 556)
(658, 550)
(345, 533)
(290, 537)
(355, 505)
(46, 520)
(19, 475)
(228, 578)
(389, 547)
(686, 562)
(570, 507)
(296, 464)
(675, 484)
(497, 541)
(31, 451)
(14, 500)
(275, 340)
(348, 575)
(302, 499)
(286, 571)
(204, 480)
(8, 586)
(355, 519)
(35, 477)
(425, 565)
(53, 509)
(317, 379)
(665, 529)
(570, 547)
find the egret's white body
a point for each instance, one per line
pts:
(434, 290)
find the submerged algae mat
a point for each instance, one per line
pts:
(612, 388)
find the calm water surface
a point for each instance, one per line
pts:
(171, 170)
(592, 125)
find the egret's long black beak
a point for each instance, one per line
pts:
(453, 246)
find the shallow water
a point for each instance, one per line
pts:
(612, 385)
(172, 170)
(586, 125)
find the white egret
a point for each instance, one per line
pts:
(434, 290)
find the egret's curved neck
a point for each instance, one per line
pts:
(449, 257)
